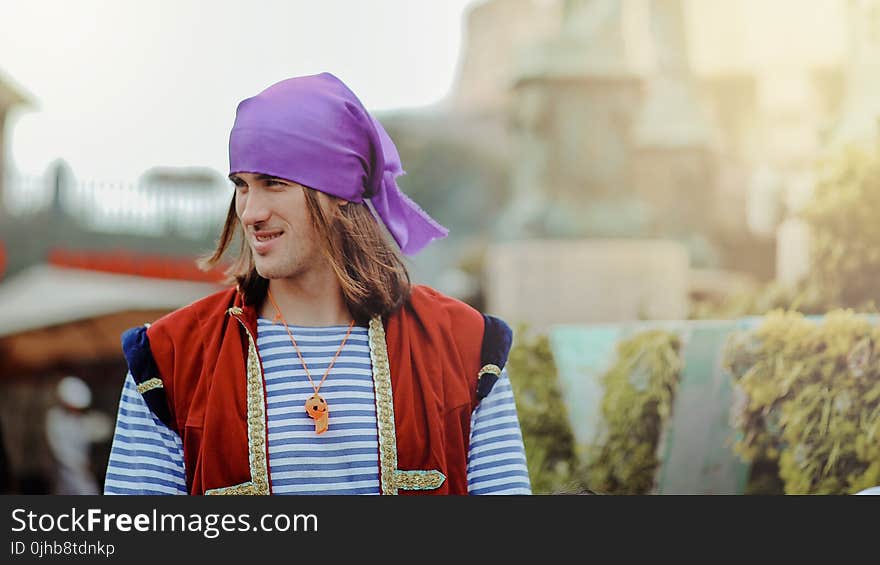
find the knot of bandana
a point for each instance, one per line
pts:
(314, 131)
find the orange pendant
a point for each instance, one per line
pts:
(318, 409)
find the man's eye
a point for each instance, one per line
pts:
(274, 182)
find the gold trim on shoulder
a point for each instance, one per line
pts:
(149, 384)
(256, 426)
(391, 477)
(491, 369)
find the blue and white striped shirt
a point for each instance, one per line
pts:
(147, 457)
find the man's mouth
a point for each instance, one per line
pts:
(267, 236)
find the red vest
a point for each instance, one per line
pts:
(217, 398)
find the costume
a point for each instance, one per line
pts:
(199, 371)
(147, 457)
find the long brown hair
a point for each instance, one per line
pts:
(370, 270)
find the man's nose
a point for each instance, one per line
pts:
(255, 209)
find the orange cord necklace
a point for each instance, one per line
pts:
(316, 406)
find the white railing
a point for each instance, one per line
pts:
(192, 211)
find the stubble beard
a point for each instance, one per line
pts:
(290, 268)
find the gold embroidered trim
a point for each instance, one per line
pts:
(149, 384)
(391, 477)
(418, 480)
(256, 425)
(493, 369)
(384, 406)
(235, 310)
(256, 420)
(243, 488)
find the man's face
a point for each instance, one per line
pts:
(277, 225)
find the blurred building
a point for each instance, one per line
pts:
(713, 74)
(77, 268)
(77, 277)
(687, 120)
(548, 282)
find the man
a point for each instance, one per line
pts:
(324, 370)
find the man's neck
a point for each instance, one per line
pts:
(317, 302)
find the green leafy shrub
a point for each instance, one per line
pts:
(639, 390)
(549, 442)
(808, 400)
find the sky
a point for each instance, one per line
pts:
(116, 87)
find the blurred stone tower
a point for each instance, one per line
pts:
(675, 160)
(496, 34)
(572, 115)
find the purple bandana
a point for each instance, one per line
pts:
(314, 131)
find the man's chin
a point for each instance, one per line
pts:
(271, 272)
(266, 271)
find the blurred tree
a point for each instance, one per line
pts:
(842, 215)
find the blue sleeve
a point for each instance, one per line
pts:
(146, 456)
(496, 455)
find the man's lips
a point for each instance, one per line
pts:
(267, 235)
(263, 239)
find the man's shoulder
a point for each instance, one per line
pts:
(191, 315)
(480, 335)
(426, 298)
